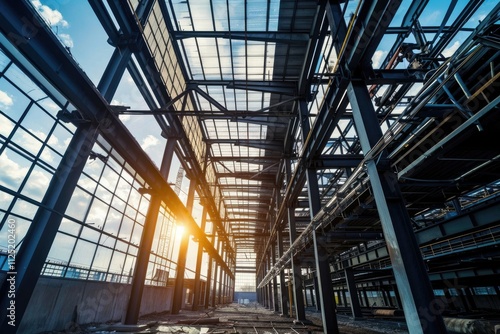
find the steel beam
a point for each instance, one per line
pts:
(197, 271)
(278, 87)
(259, 36)
(283, 287)
(409, 270)
(181, 259)
(257, 176)
(353, 292)
(275, 280)
(208, 286)
(337, 161)
(300, 313)
(326, 299)
(268, 145)
(142, 262)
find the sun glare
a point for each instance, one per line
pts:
(179, 231)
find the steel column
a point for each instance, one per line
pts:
(409, 270)
(199, 257)
(214, 288)
(219, 291)
(38, 240)
(316, 294)
(181, 259)
(208, 285)
(283, 287)
(275, 279)
(365, 296)
(300, 313)
(325, 298)
(142, 262)
(384, 296)
(114, 72)
(353, 292)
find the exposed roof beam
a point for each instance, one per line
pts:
(205, 114)
(337, 161)
(277, 87)
(426, 30)
(257, 176)
(259, 36)
(250, 160)
(255, 143)
(249, 236)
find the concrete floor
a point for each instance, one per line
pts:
(239, 318)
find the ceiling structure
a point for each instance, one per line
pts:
(248, 67)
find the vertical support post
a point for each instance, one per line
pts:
(214, 288)
(316, 294)
(344, 297)
(208, 285)
(283, 287)
(409, 270)
(384, 297)
(300, 313)
(181, 259)
(270, 287)
(397, 297)
(221, 273)
(275, 279)
(142, 262)
(462, 298)
(42, 231)
(325, 298)
(199, 258)
(365, 296)
(470, 297)
(353, 292)
(449, 299)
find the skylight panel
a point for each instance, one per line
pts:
(200, 10)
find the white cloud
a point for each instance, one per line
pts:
(377, 58)
(149, 141)
(37, 184)
(12, 173)
(30, 143)
(66, 40)
(451, 49)
(124, 118)
(52, 16)
(5, 100)
(115, 102)
(66, 142)
(7, 127)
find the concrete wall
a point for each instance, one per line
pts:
(57, 303)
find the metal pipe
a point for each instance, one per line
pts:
(452, 135)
